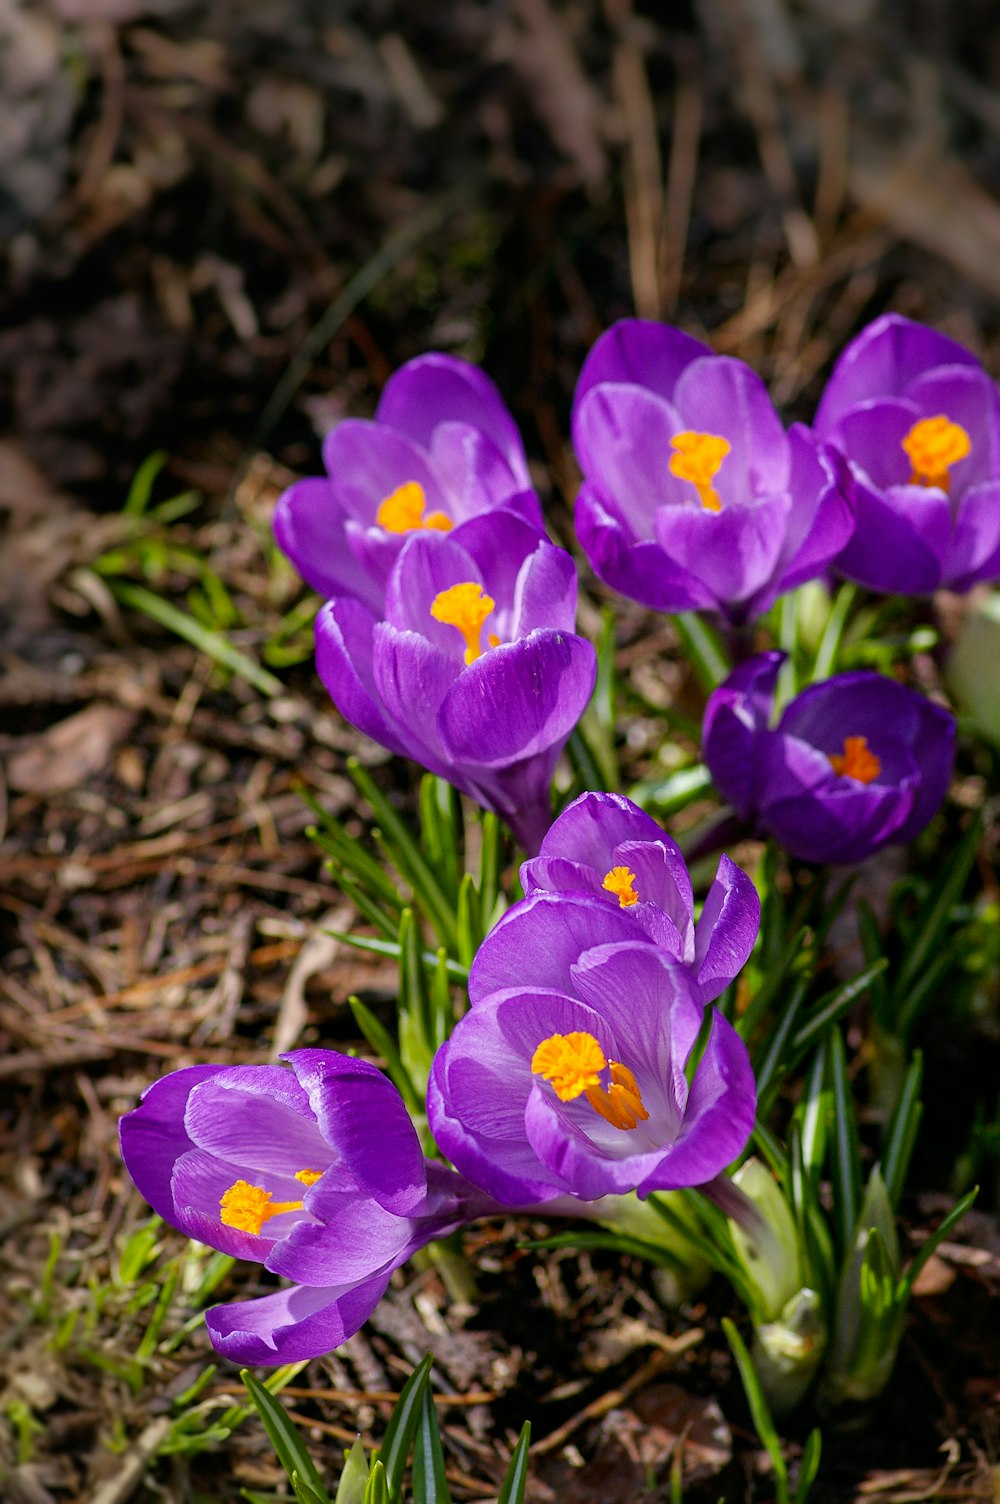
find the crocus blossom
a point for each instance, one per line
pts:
(917, 420)
(474, 669)
(605, 845)
(315, 1172)
(854, 762)
(543, 1092)
(694, 496)
(441, 449)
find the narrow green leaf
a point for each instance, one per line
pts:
(305, 1494)
(759, 1409)
(846, 1168)
(377, 1487)
(468, 923)
(430, 1486)
(383, 1044)
(489, 866)
(902, 1132)
(212, 644)
(829, 643)
(414, 993)
(402, 1424)
(955, 1216)
(284, 1436)
(703, 649)
(406, 854)
(667, 796)
(354, 1478)
(390, 948)
(516, 1477)
(616, 1242)
(772, 1067)
(936, 913)
(833, 1004)
(809, 1466)
(141, 489)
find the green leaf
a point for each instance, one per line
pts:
(667, 796)
(402, 1424)
(406, 855)
(809, 1466)
(141, 489)
(212, 644)
(430, 1486)
(902, 1131)
(354, 1478)
(703, 648)
(833, 1004)
(377, 1487)
(955, 1216)
(516, 1477)
(759, 1409)
(285, 1439)
(935, 915)
(304, 1493)
(846, 1169)
(615, 1242)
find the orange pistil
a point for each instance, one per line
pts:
(856, 761)
(572, 1063)
(465, 607)
(402, 511)
(308, 1177)
(932, 446)
(697, 459)
(621, 882)
(247, 1207)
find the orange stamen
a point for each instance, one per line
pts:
(247, 1207)
(403, 510)
(465, 607)
(572, 1063)
(856, 761)
(932, 446)
(697, 459)
(621, 882)
(308, 1177)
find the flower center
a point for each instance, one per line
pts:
(856, 761)
(572, 1064)
(403, 510)
(465, 607)
(247, 1207)
(697, 458)
(932, 446)
(621, 882)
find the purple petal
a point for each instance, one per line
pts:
(975, 552)
(474, 472)
(719, 1117)
(309, 529)
(640, 352)
(362, 1115)
(292, 1325)
(723, 396)
(412, 678)
(736, 716)
(900, 540)
(967, 396)
(726, 932)
(820, 522)
(641, 571)
(153, 1136)
(366, 462)
(734, 552)
(540, 939)
(344, 652)
(258, 1117)
(198, 1185)
(517, 700)
(428, 564)
(438, 388)
(622, 438)
(355, 1240)
(883, 361)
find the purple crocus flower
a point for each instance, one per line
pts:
(315, 1172)
(855, 761)
(605, 845)
(694, 496)
(441, 449)
(917, 420)
(547, 1091)
(475, 670)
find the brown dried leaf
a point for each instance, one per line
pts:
(70, 752)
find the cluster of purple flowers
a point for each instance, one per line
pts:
(448, 636)
(564, 1083)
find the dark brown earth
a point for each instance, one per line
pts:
(224, 225)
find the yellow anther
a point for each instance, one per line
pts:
(308, 1177)
(247, 1207)
(621, 882)
(403, 510)
(856, 761)
(621, 1105)
(572, 1063)
(932, 446)
(697, 459)
(465, 607)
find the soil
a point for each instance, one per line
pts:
(224, 226)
